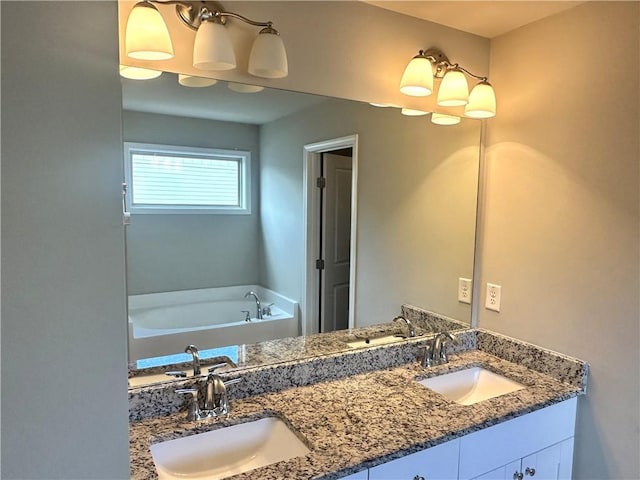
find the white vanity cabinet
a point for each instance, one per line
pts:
(440, 461)
(536, 446)
(543, 438)
(552, 463)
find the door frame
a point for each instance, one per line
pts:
(311, 217)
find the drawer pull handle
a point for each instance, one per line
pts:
(530, 471)
(518, 476)
(418, 477)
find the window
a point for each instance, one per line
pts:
(174, 179)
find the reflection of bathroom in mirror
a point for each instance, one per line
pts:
(414, 228)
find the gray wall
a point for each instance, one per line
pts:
(182, 252)
(416, 206)
(561, 229)
(64, 382)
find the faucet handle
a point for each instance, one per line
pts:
(233, 381)
(194, 408)
(427, 358)
(212, 368)
(247, 315)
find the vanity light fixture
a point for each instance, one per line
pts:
(443, 119)
(410, 112)
(418, 80)
(244, 88)
(138, 73)
(147, 38)
(195, 82)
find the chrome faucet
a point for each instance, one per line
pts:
(435, 351)
(411, 330)
(216, 402)
(193, 350)
(257, 299)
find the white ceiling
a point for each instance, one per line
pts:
(487, 19)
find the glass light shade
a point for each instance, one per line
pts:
(138, 73)
(410, 112)
(442, 119)
(212, 49)
(268, 57)
(417, 79)
(146, 34)
(244, 88)
(482, 102)
(195, 82)
(454, 90)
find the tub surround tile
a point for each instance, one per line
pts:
(364, 419)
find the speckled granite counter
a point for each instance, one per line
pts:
(367, 419)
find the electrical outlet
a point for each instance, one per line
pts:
(464, 290)
(494, 294)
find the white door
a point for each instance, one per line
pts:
(335, 242)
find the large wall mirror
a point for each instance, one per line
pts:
(411, 240)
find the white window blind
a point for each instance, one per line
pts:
(170, 179)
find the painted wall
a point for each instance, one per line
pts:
(64, 386)
(416, 205)
(181, 252)
(561, 212)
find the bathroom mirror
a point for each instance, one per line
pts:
(414, 227)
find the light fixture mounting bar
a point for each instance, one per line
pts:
(192, 13)
(442, 64)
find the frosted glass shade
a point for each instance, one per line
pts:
(454, 90)
(138, 73)
(482, 102)
(417, 79)
(195, 82)
(212, 49)
(442, 119)
(244, 88)
(268, 57)
(146, 34)
(410, 112)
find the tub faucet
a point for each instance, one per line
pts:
(411, 330)
(193, 350)
(257, 299)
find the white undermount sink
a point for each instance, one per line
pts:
(373, 341)
(471, 385)
(227, 451)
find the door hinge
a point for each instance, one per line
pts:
(319, 264)
(321, 182)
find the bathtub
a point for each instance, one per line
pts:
(165, 323)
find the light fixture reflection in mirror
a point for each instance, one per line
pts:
(138, 73)
(195, 82)
(442, 119)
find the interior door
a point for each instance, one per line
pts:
(335, 242)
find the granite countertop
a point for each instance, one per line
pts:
(364, 420)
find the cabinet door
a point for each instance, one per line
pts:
(363, 475)
(552, 463)
(506, 472)
(436, 463)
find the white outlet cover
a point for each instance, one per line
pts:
(464, 290)
(493, 298)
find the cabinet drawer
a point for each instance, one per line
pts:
(435, 463)
(496, 446)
